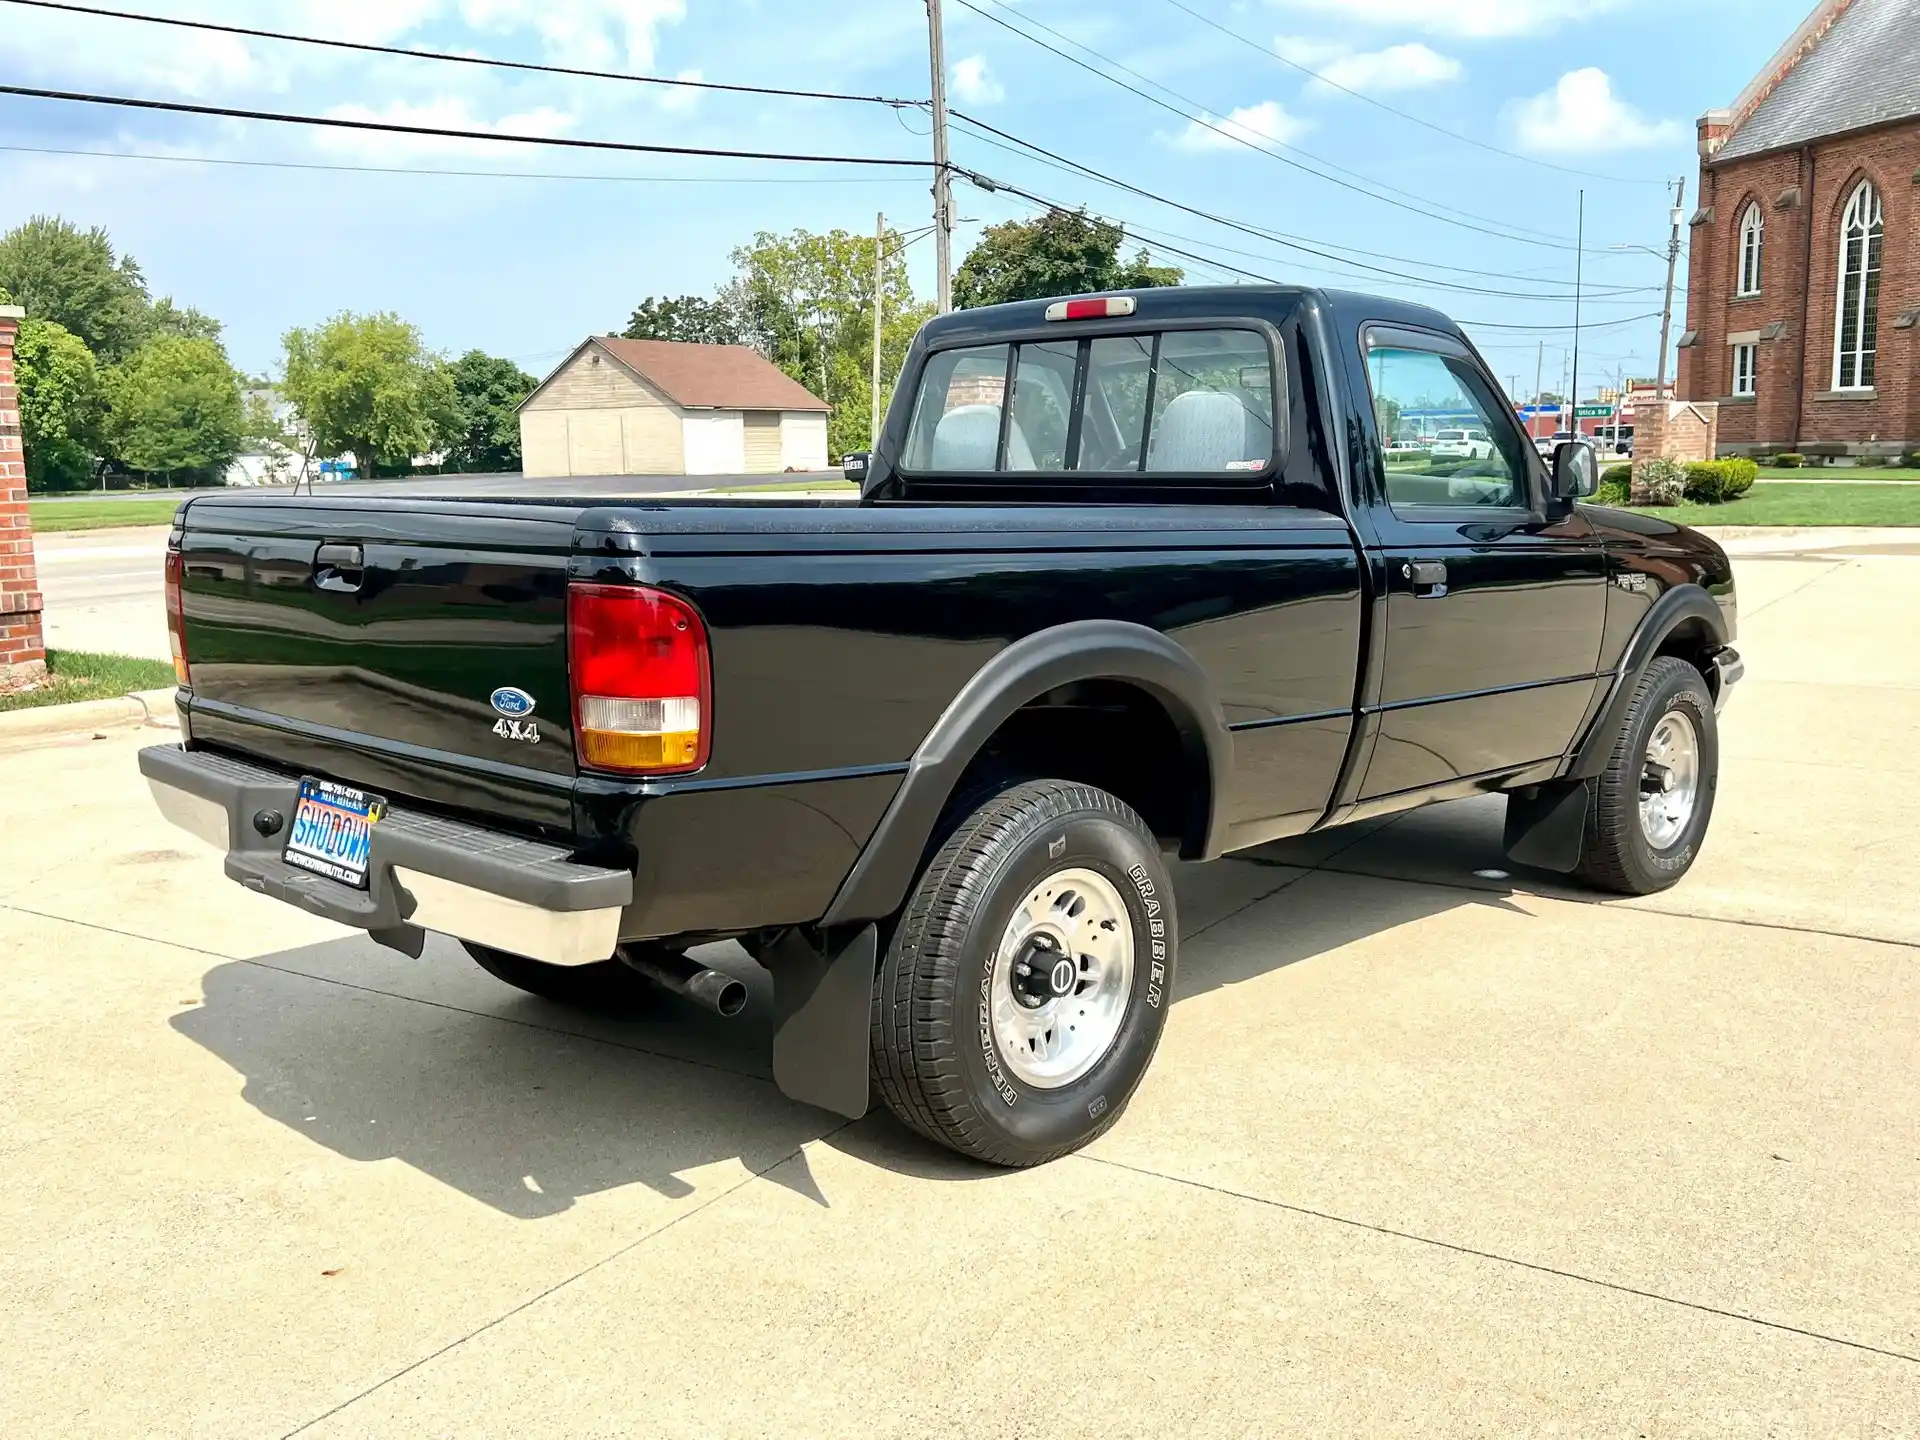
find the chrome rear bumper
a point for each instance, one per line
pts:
(425, 872)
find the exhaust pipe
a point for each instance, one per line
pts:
(672, 970)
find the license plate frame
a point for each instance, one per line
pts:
(331, 832)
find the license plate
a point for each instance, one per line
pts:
(332, 832)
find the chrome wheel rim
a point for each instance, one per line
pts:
(1062, 976)
(1669, 780)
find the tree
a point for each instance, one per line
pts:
(806, 303)
(485, 431)
(1064, 252)
(175, 408)
(166, 318)
(60, 405)
(73, 278)
(366, 384)
(690, 318)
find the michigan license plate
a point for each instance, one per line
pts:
(332, 832)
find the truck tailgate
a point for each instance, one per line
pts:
(365, 641)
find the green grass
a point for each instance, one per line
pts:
(77, 675)
(1837, 472)
(825, 482)
(52, 515)
(1773, 503)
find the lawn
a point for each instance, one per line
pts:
(52, 515)
(1891, 472)
(1772, 502)
(77, 675)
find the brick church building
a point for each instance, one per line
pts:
(1803, 310)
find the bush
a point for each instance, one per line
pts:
(1709, 482)
(1658, 482)
(1789, 460)
(1911, 459)
(1614, 492)
(1621, 475)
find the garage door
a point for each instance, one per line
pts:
(763, 442)
(593, 443)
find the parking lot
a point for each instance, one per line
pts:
(1428, 1147)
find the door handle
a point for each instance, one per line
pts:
(339, 568)
(1428, 578)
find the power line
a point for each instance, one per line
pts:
(469, 174)
(1508, 234)
(1253, 44)
(439, 132)
(455, 59)
(1271, 236)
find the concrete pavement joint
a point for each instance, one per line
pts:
(1408, 1235)
(560, 1285)
(1305, 870)
(391, 995)
(1833, 567)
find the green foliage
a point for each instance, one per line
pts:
(366, 384)
(1064, 252)
(166, 318)
(1910, 460)
(53, 515)
(1613, 492)
(174, 408)
(1621, 475)
(692, 319)
(60, 405)
(1658, 481)
(1713, 482)
(1789, 460)
(76, 675)
(485, 431)
(72, 277)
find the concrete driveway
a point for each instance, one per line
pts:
(1425, 1149)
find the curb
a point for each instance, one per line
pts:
(142, 707)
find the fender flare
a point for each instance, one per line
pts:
(1675, 607)
(1027, 669)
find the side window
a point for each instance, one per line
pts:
(1212, 402)
(956, 418)
(1471, 458)
(1113, 423)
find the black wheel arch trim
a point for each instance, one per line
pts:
(1675, 607)
(1023, 672)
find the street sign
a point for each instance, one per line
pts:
(1594, 412)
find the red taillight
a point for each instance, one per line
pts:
(1097, 309)
(176, 618)
(642, 685)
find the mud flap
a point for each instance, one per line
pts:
(1546, 825)
(823, 998)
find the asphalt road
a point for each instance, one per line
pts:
(1428, 1148)
(102, 590)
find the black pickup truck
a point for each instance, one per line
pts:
(1130, 576)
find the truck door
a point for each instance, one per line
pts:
(1495, 598)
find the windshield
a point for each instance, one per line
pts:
(1450, 435)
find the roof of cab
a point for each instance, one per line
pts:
(1197, 302)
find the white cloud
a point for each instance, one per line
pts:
(1267, 123)
(972, 85)
(446, 112)
(679, 100)
(1474, 19)
(1581, 114)
(583, 32)
(1341, 67)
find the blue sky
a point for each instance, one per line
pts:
(525, 267)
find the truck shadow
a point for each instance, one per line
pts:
(527, 1106)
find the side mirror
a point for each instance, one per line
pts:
(1576, 470)
(853, 465)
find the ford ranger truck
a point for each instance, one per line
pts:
(1129, 576)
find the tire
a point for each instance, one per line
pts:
(603, 985)
(947, 1017)
(1622, 850)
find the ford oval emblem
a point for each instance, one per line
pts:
(512, 702)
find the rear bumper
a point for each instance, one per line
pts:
(425, 873)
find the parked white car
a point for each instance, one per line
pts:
(1462, 445)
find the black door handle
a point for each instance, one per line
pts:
(339, 568)
(1429, 578)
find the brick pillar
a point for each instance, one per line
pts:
(23, 654)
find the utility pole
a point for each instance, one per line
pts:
(1579, 269)
(942, 175)
(1539, 359)
(1666, 310)
(879, 301)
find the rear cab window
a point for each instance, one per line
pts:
(1168, 403)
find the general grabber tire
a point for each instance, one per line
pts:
(603, 985)
(1025, 986)
(1649, 809)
